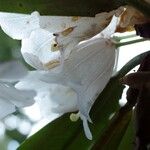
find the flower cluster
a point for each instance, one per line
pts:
(73, 57)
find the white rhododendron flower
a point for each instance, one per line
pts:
(84, 75)
(10, 97)
(48, 40)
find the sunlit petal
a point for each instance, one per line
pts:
(37, 50)
(19, 26)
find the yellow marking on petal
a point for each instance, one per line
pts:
(54, 47)
(74, 117)
(75, 18)
(51, 64)
(67, 31)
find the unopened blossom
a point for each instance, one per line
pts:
(84, 75)
(10, 97)
(42, 48)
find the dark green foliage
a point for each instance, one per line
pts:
(60, 7)
(7, 46)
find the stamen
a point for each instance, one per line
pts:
(55, 34)
(54, 47)
(74, 117)
(67, 31)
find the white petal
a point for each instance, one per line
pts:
(56, 94)
(54, 100)
(87, 70)
(110, 29)
(12, 71)
(31, 59)
(94, 78)
(86, 127)
(37, 51)
(82, 29)
(10, 98)
(100, 55)
(32, 79)
(56, 24)
(88, 82)
(71, 30)
(62, 95)
(6, 108)
(19, 26)
(45, 103)
(16, 97)
(104, 34)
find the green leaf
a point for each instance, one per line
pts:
(113, 134)
(64, 134)
(70, 7)
(7, 47)
(15, 135)
(60, 7)
(128, 140)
